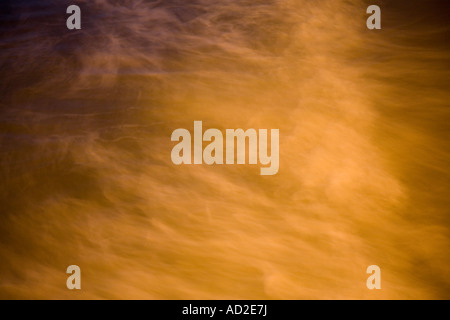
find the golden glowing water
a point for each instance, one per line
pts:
(87, 179)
